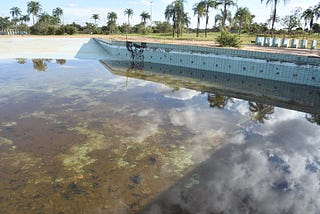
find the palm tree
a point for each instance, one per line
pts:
(61, 61)
(25, 18)
(40, 65)
(34, 8)
(144, 17)
(21, 60)
(15, 12)
(243, 17)
(95, 17)
(209, 4)
(112, 19)
(170, 13)
(217, 18)
(175, 11)
(226, 4)
(219, 101)
(313, 118)
(311, 14)
(260, 112)
(185, 22)
(128, 12)
(57, 12)
(274, 12)
(199, 11)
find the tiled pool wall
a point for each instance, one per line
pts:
(281, 67)
(287, 95)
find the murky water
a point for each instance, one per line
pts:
(77, 138)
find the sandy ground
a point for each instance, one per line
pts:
(250, 47)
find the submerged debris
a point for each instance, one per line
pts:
(136, 178)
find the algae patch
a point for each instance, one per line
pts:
(41, 115)
(5, 142)
(79, 154)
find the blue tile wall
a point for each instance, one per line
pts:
(281, 67)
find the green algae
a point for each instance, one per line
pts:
(79, 154)
(41, 115)
(5, 142)
(21, 160)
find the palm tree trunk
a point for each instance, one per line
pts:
(274, 17)
(311, 24)
(206, 29)
(198, 26)
(173, 28)
(207, 20)
(224, 14)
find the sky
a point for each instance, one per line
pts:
(81, 11)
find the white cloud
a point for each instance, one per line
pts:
(146, 2)
(181, 94)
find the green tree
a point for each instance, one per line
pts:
(260, 112)
(15, 12)
(95, 17)
(129, 13)
(226, 4)
(61, 61)
(21, 60)
(34, 8)
(57, 12)
(274, 12)
(40, 64)
(311, 14)
(112, 22)
(290, 22)
(4, 22)
(219, 101)
(217, 19)
(313, 118)
(161, 27)
(208, 4)
(170, 14)
(175, 12)
(243, 18)
(199, 11)
(44, 18)
(25, 18)
(144, 17)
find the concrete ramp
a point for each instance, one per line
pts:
(62, 48)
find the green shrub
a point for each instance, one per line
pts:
(70, 29)
(51, 30)
(60, 30)
(226, 39)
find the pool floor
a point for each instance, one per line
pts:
(76, 138)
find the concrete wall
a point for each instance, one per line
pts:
(62, 48)
(281, 67)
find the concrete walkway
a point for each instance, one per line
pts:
(295, 51)
(82, 46)
(49, 47)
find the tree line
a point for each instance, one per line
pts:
(177, 20)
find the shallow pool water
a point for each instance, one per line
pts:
(81, 136)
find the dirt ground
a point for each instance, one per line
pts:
(249, 47)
